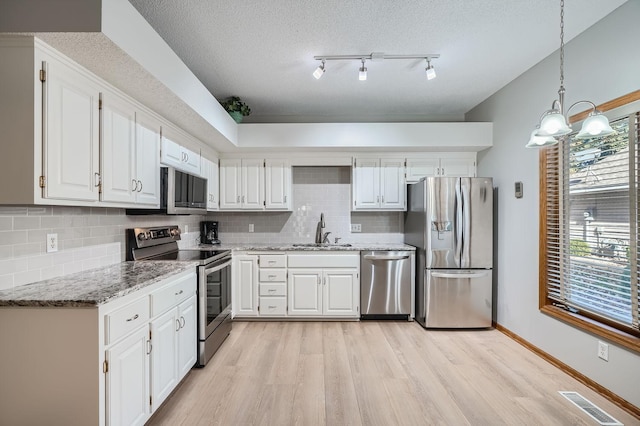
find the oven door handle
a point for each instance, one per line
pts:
(218, 267)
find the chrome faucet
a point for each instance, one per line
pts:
(319, 229)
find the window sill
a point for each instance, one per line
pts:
(621, 338)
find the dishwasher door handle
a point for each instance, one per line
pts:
(468, 275)
(383, 257)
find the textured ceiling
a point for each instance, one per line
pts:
(263, 52)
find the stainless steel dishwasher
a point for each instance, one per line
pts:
(387, 285)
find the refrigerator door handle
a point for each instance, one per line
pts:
(458, 225)
(463, 275)
(465, 189)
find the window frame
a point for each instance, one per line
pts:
(624, 336)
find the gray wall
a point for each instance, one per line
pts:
(600, 64)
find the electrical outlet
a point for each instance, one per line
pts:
(52, 243)
(186, 229)
(251, 227)
(603, 351)
(356, 227)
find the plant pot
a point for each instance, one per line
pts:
(237, 116)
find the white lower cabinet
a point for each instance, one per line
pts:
(245, 292)
(111, 364)
(305, 292)
(127, 385)
(330, 292)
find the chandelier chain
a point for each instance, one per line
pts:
(561, 43)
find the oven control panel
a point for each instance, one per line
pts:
(148, 237)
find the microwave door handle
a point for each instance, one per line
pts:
(217, 267)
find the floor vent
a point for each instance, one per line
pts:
(591, 409)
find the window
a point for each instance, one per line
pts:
(589, 229)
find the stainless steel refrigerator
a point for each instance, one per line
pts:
(450, 222)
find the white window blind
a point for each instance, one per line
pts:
(590, 218)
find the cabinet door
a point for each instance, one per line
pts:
(245, 276)
(230, 183)
(190, 161)
(147, 160)
(422, 167)
(304, 290)
(119, 180)
(366, 184)
(392, 186)
(127, 381)
(458, 167)
(71, 143)
(164, 354)
(278, 185)
(171, 153)
(187, 336)
(213, 185)
(253, 184)
(341, 290)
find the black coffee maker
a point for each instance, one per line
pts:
(209, 232)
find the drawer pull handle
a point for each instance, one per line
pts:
(135, 317)
(271, 277)
(271, 262)
(272, 290)
(272, 307)
(180, 292)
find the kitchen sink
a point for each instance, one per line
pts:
(321, 245)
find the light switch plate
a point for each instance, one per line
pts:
(356, 227)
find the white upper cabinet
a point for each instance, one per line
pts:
(278, 185)
(378, 184)
(210, 172)
(173, 152)
(71, 134)
(242, 184)
(417, 168)
(130, 153)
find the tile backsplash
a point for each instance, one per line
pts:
(89, 237)
(315, 190)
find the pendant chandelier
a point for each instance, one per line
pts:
(554, 123)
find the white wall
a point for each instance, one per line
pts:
(600, 64)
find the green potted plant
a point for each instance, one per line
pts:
(236, 108)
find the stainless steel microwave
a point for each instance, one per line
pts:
(180, 193)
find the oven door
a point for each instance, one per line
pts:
(214, 296)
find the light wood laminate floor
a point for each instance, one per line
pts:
(375, 373)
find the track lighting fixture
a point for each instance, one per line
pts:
(431, 72)
(554, 123)
(319, 72)
(362, 75)
(374, 57)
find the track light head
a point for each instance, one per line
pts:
(430, 70)
(319, 72)
(362, 75)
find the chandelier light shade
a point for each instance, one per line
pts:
(374, 57)
(540, 141)
(554, 123)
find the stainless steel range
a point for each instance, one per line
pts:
(214, 281)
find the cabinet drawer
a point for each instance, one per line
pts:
(273, 275)
(172, 294)
(276, 306)
(267, 289)
(126, 319)
(272, 261)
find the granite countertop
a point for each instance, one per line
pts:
(94, 287)
(295, 247)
